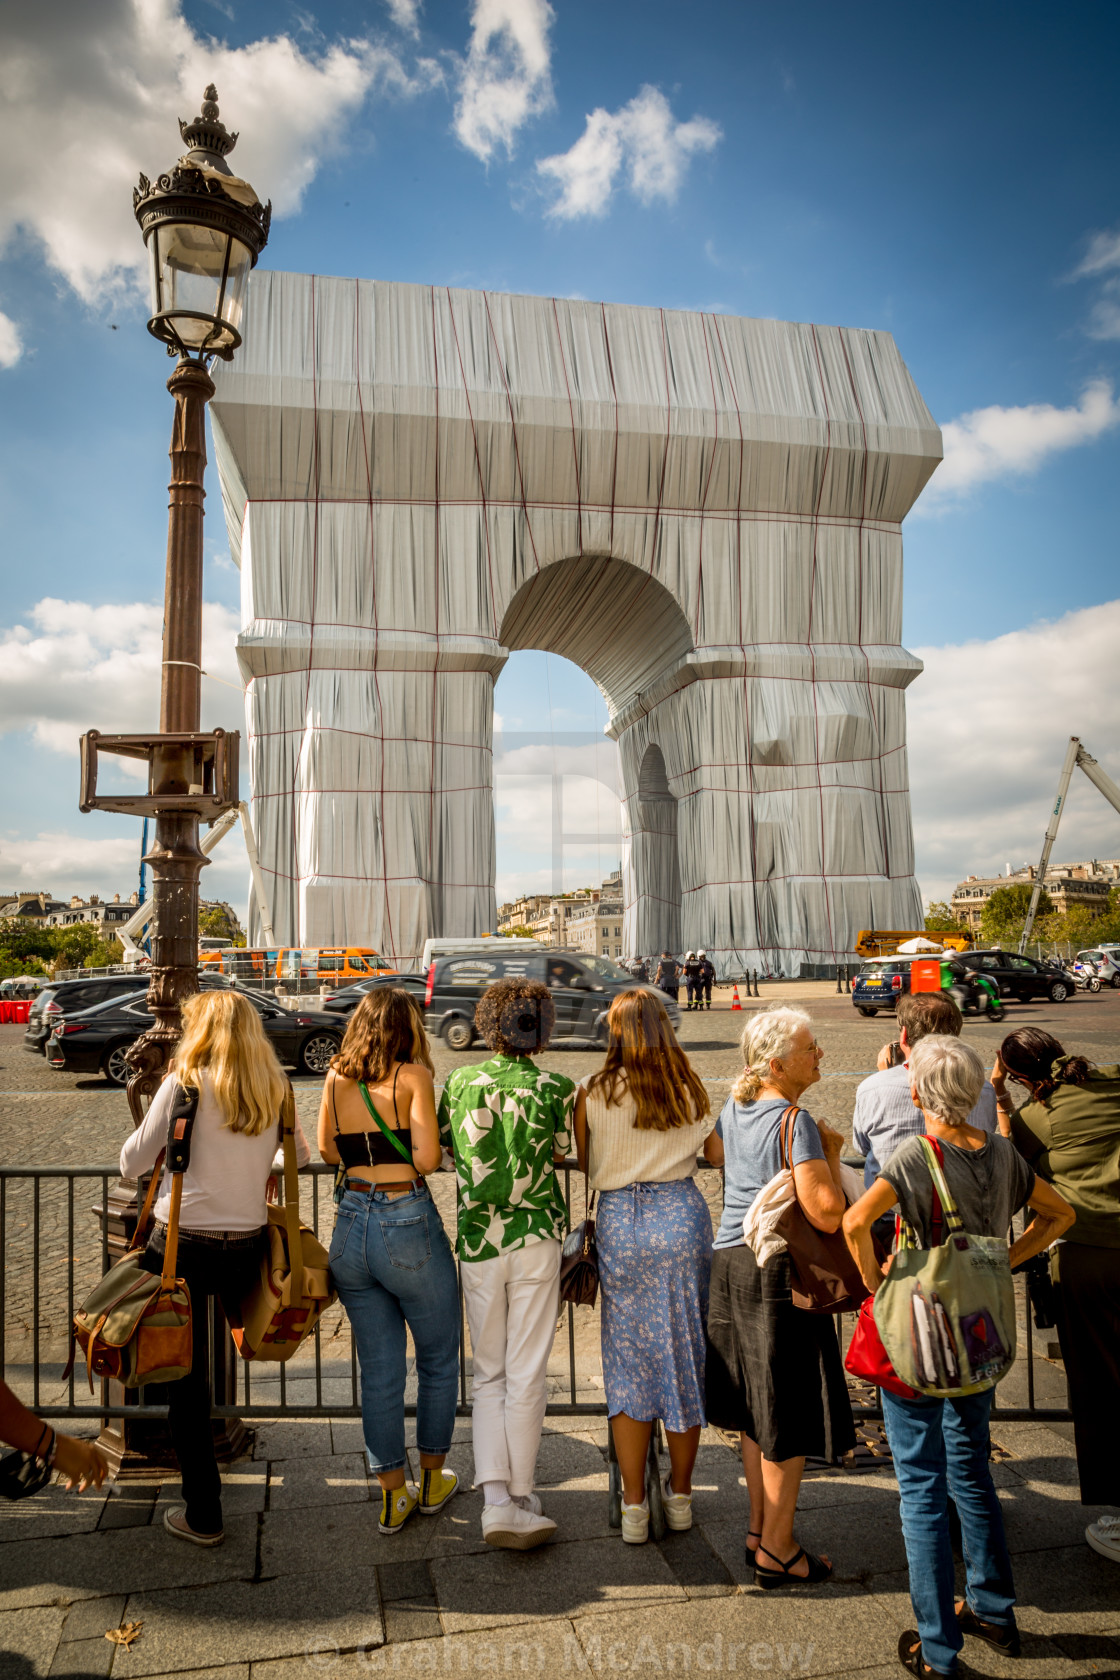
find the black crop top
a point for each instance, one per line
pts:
(376, 1148)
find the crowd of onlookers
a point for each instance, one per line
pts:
(697, 1326)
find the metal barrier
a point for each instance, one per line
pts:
(39, 1290)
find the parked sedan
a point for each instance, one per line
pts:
(95, 1041)
(1021, 977)
(345, 1002)
(67, 997)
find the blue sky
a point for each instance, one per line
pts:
(950, 176)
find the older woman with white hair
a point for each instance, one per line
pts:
(940, 1447)
(773, 1369)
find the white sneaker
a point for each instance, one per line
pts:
(1104, 1537)
(678, 1506)
(528, 1502)
(515, 1528)
(635, 1523)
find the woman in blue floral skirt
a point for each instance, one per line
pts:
(640, 1123)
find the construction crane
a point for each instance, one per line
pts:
(139, 920)
(1076, 758)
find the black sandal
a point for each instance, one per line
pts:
(910, 1656)
(749, 1549)
(817, 1572)
(1005, 1639)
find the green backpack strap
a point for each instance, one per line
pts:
(949, 1209)
(405, 1154)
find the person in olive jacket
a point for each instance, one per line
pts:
(1069, 1131)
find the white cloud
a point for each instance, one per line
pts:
(405, 14)
(1103, 254)
(505, 77)
(988, 726)
(74, 667)
(11, 343)
(991, 443)
(89, 96)
(62, 861)
(643, 139)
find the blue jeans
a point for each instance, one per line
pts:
(392, 1266)
(940, 1448)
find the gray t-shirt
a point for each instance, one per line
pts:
(989, 1185)
(751, 1134)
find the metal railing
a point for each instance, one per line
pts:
(54, 1245)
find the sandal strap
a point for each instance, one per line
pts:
(789, 1563)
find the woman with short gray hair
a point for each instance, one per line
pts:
(941, 1446)
(773, 1369)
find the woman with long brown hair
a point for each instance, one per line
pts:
(640, 1123)
(390, 1257)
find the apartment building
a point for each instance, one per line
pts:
(1085, 884)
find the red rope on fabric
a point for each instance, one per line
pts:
(513, 429)
(863, 515)
(665, 451)
(812, 655)
(742, 644)
(478, 467)
(707, 482)
(366, 445)
(316, 480)
(614, 394)
(435, 668)
(572, 417)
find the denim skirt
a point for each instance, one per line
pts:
(655, 1249)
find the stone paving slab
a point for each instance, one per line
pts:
(337, 1479)
(241, 1621)
(28, 1639)
(497, 1588)
(122, 1560)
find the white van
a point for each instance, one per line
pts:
(434, 948)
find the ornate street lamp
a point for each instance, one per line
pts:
(204, 229)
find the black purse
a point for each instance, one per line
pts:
(22, 1474)
(579, 1263)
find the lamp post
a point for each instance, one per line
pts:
(204, 229)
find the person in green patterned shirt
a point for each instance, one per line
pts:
(507, 1122)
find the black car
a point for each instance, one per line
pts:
(583, 989)
(67, 997)
(344, 1002)
(1021, 977)
(95, 1040)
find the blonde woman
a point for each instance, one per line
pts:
(773, 1370)
(390, 1258)
(224, 1056)
(640, 1123)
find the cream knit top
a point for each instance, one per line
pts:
(619, 1154)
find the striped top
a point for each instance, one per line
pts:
(619, 1154)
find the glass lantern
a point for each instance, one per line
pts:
(198, 278)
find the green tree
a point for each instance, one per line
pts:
(942, 918)
(216, 923)
(1002, 918)
(516, 933)
(22, 939)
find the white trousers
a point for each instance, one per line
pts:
(511, 1303)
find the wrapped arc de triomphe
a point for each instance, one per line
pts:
(701, 511)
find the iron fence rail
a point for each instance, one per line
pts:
(43, 1276)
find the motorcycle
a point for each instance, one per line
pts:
(974, 994)
(1085, 977)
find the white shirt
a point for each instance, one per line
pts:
(618, 1153)
(885, 1116)
(224, 1186)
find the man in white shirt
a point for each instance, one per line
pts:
(884, 1114)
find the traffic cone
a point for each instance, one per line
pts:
(735, 1004)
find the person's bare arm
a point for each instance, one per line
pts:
(81, 1462)
(325, 1134)
(1052, 1216)
(858, 1221)
(423, 1125)
(579, 1127)
(713, 1149)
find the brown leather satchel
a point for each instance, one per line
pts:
(823, 1276)
(579, 1263)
